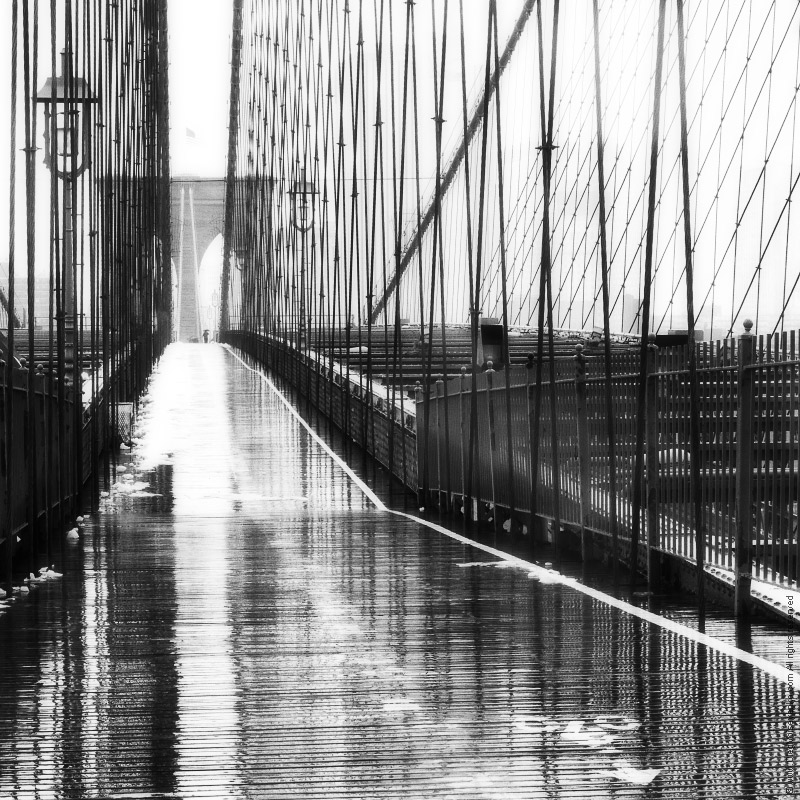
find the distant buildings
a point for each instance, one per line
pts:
(41, 304)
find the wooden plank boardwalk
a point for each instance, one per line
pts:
(241, 620)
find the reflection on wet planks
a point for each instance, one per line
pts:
(240, 622)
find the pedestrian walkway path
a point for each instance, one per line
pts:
(245, 619)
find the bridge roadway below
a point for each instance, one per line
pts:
(245, 618)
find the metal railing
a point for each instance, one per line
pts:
(379, 420)
(749, 450)
(51, 455)
(50, 467)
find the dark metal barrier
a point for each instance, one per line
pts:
(54, 484)
(50, 477)
(749, 452)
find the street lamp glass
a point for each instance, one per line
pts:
(69, 100)
(66, 144)
(302, 210)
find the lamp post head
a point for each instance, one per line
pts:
(67, 100)
(242, 236)
(302, 194)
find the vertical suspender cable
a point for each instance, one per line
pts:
(503, 269)
(648, 277)
(398, 183)
(548, 267)
(437, 248)
(377, 162)
(70, 283)
(56, 338)
(609, 405)
(537, 413)
(479, 247)
(9, 366)
(50, 431)
(31, 445)
(694, 389)
(545, 294)
(473, 315)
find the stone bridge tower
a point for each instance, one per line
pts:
(198, 206)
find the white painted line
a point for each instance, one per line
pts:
(787, 676)
(371, 496)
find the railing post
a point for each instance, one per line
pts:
(492, 438)
(462, 432)
(744, 475)
(584, 457)
(440, 484)
(651, 499)
(531, 445)
(422, 447)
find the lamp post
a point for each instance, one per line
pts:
(302, 219)
(240, 254)
(215, 306)
(67, 104)
(243, 249)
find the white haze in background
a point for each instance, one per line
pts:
(200, 50)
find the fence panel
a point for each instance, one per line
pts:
(776, 450)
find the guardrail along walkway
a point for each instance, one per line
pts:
(242, 620)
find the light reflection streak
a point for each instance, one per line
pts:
(204, 482)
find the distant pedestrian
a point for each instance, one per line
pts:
(205, 336)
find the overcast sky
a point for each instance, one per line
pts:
(745, 247)
(200, 35)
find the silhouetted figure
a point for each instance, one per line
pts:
(205, 336)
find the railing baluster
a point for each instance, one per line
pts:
(583, 450)
(462, 439)
(439, 489)
(745, 522)
(653, 538)
(492, 439)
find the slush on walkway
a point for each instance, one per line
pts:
(242, 620)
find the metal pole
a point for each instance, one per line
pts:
(301, 328)
(583, 450)
(648, 276)
(744, 475)
(609, 404)
(69, 286)
(694, 389)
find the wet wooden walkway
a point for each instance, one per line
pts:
(241, 620)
